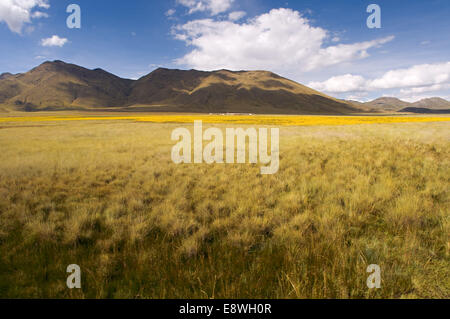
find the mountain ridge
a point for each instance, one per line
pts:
(57, 85)
(392, 104)
(60, 86)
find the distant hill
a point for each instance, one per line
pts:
(391, 104)
(387, 104)
(5, 75)
(60, 86)
(434, 103)
(424, 110)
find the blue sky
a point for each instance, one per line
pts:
(325, 44)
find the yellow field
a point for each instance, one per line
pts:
(239, 119)
(102, 192)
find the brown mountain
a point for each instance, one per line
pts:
(387, 104)
(5, 75)
(434, 103)
(420, 110)
(391, 104)
(58, 86)
(227, 91)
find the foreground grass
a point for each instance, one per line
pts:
(106, 196)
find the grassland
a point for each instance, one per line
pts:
(104, 194)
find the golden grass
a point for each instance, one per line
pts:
(106, 196)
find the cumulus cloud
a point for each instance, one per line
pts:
(39, 14)
(418, 75)
(281, 40)
(340, 84)
(54, 41)
(236, 15)
(333, 55)
(425, 89)
(360, 97)
(414, 80)
(214, 7)
(16, 13)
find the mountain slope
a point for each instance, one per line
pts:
(391, 104)
(387, 104)
(58, 86)
(424, 110)
(9, 87)
(434, 103)
(5, 75)
(227, 91)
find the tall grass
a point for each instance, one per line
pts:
(106, 196)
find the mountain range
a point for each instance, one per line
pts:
(57, 85)
(61, 86)
(391, 104)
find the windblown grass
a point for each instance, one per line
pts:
(106, 196)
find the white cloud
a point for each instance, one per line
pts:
(170, 12)
(424, 89)
(213, 6)
(281, 40)
(54, 41)
(416, 98)
(39, 14)
(16, 13)
(414, 80)
(340, 84)
(359, 97)
(417, 75)
(333, 55)
(236, 15)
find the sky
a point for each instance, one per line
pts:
(324, 44)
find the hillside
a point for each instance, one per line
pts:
(5, 75)
(59, 86)
(426, 106)
(435, 103)
(387, 104)
(424, 110)
(227, 91)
